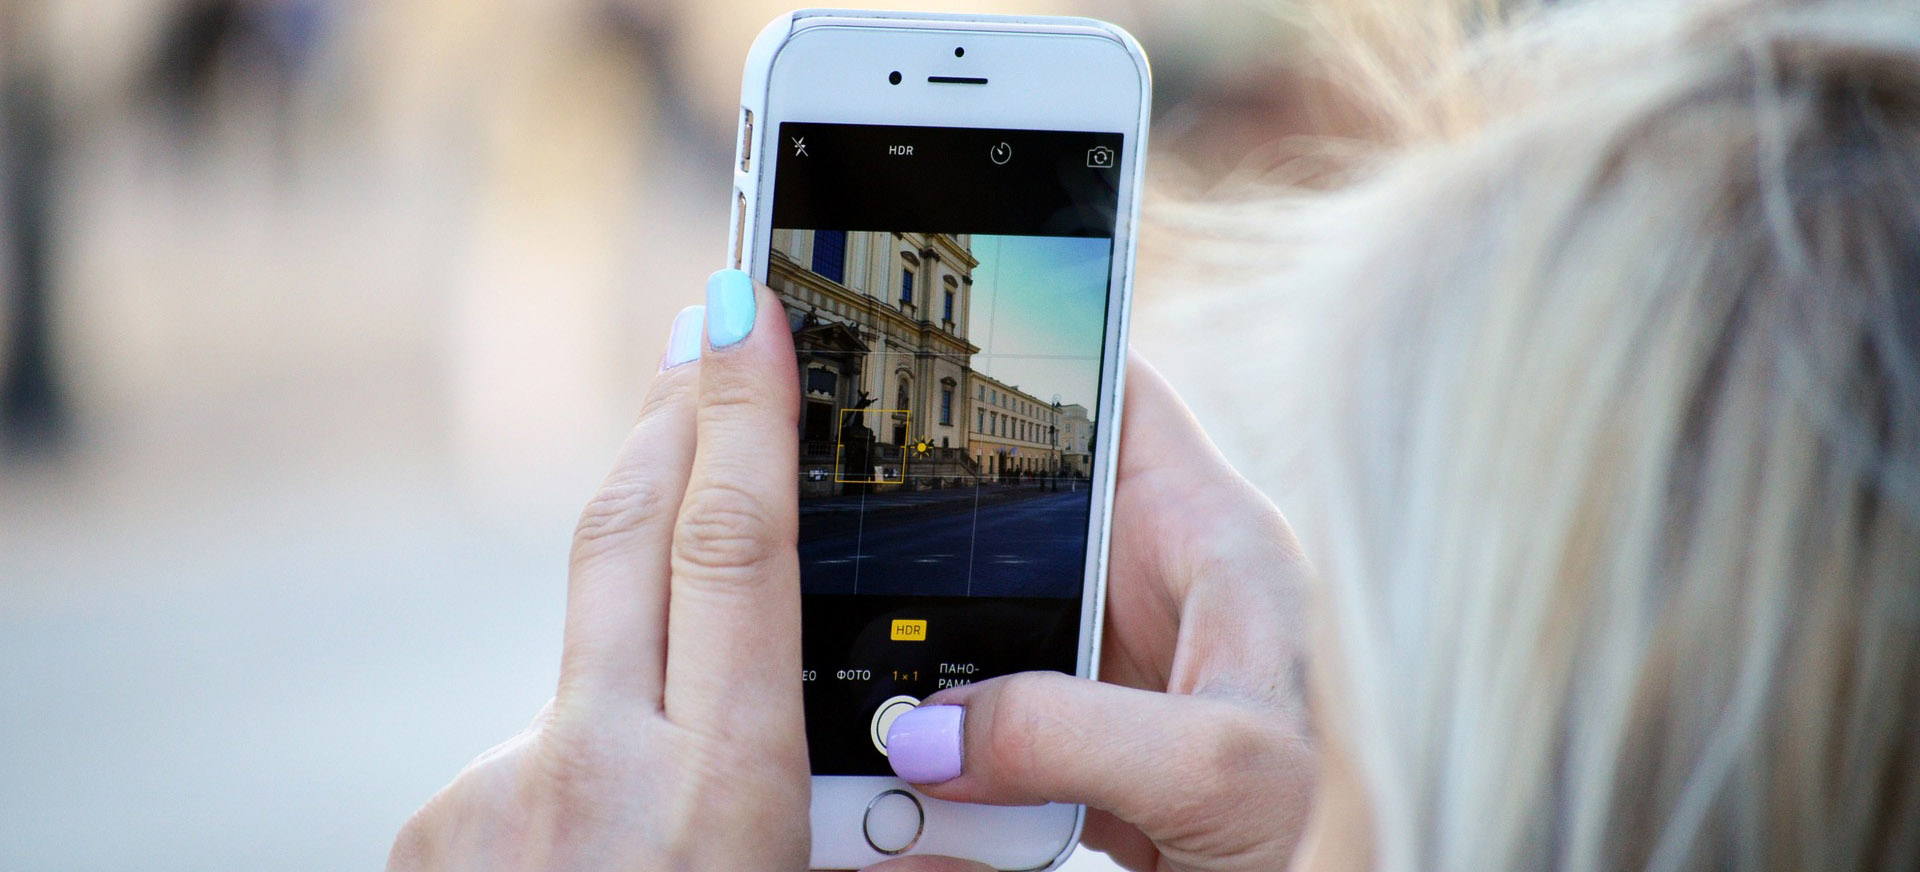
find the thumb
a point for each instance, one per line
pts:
(928, 863)
(1168, 764)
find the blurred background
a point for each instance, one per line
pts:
(319, 320)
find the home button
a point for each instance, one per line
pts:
(893, 821)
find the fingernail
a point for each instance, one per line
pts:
(683, 344)
(730, 307)
(924, 744)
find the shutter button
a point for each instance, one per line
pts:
(883, 718)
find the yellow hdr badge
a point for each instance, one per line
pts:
(909, 631)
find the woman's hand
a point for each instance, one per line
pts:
(1200, 758)
(674, 740)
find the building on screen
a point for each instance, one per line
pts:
(880, 323)
(1016, 435)
(890, 398)
(1076, 441)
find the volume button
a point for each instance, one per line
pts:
(746, 139)
(739, 227)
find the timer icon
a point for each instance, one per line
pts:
(1000, 154)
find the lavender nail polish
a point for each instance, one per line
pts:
(924, 745)
(683, 344)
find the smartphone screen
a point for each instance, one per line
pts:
(948, 292)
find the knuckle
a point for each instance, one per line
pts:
(671, 389)
(1235, 761)
(577, 762)
(621, 506)
(633, 499)
(1228, 740)
(584, 762)
(594, 771)
(726, 393)
(726, 531)
(777, 806)
(753, 397)
(1017, 727)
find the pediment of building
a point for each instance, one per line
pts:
(829, 336)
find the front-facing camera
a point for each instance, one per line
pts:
(894, 77)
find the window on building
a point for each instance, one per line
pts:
(906, 287)
(946, 406)
(830, 254)
(981, 425)
(820, 381)
(946, 309)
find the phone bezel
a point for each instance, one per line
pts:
(832, 67)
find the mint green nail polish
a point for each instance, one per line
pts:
(730, 307)
(683, 344)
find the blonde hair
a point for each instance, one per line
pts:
(1613, 477)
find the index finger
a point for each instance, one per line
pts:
(733, 623)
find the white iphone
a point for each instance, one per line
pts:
(946, 207)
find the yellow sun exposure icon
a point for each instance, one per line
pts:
(923, 448)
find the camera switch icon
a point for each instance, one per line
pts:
(1100, 157)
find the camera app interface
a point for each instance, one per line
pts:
(947, 290)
